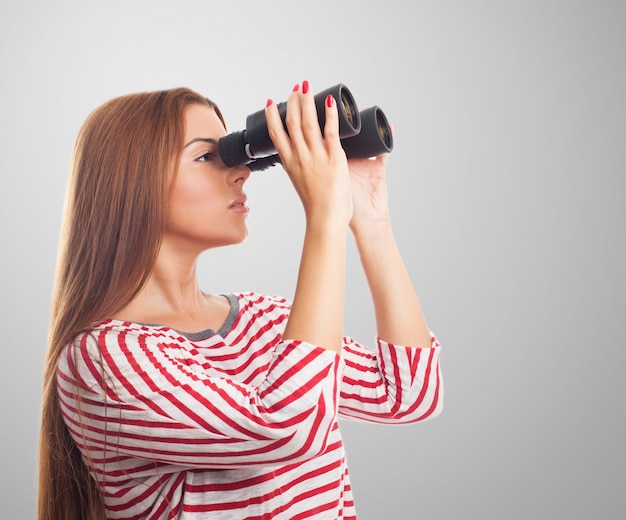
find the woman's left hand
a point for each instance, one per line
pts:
(399, 318)
(369, 191)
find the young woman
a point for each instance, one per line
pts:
(163, 401)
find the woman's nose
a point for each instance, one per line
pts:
(238, 174)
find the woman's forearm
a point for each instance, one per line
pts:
(318, 304)
(399, 317)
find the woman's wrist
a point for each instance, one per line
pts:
(326, 224)
(371, 230)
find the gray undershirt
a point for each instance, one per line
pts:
(207, 333)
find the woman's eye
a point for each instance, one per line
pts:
(207, 157)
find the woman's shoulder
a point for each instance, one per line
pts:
(258, 300)
(258, 310)
(119, 334)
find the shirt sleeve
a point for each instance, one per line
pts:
(125, 393)
(394, 384)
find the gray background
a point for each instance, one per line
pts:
(507, 188)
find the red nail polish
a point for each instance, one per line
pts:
(296, 87)
(305, 86)
(330, 100)
(269, 102)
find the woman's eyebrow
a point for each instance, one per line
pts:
(203, 139)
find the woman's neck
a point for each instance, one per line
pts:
(172, 297)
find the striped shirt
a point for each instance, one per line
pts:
(233, 424)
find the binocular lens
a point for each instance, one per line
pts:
(375, 137)
(349, 115)
(383, 129)
(348, 106)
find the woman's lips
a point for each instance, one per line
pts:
(239, 205)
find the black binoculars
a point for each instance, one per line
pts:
(363, 134)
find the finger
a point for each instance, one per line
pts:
(277, 132)
(310, 122)
(293, 119)
(331, 127)
(382, 160)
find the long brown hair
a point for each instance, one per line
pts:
(115, 208)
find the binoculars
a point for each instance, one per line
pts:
(363, 134)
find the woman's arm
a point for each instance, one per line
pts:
(391, 384)
(399, 318)
(318, 169)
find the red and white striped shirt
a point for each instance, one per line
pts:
(237, 424)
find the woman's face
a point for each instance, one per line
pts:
(207, 205)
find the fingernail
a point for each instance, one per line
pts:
(330, 100)
(305, 86)
(269, 102)
(296, 87)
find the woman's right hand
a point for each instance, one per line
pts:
(315, 162)
(318, 169)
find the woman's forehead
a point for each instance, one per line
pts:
(202, 121)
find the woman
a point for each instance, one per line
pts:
(161, 401)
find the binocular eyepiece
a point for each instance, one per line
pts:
(362, 134)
